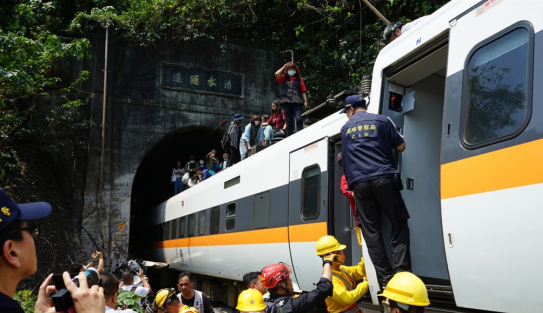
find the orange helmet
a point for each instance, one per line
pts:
(274, 273)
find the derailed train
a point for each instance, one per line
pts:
(460, 87)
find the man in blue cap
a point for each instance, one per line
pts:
(18, 261)
(234, 131)
(368, 141)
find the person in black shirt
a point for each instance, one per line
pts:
(276, 278)
(191, 297)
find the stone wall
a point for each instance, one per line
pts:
(150, 97)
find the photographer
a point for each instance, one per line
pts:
(128, 283)
(18, 261)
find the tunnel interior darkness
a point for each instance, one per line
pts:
(152, 184)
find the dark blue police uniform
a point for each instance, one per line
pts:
(368, 141)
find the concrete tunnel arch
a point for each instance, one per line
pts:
(152, 185)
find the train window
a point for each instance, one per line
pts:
(497, 101)
(166, 228)
(230, 216)
(173, 233)
(201, 223)
(232, 182)
(214, 220)
(261, 213)
(192, 220)
(311, 193)
(182, 227)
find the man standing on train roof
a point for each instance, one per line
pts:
(396, 29)
(276, 278)
(405, 293)
(192, 297)
(346, 292)
(367, 143)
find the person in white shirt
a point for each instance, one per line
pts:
(110, 283)
(128, 284)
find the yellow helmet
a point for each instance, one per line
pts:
(165, 296)
(327, 244)
(406, 288)
(188, 309)
(250, 300)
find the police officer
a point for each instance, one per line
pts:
(368, 141)
(276, 278)
(346, 292)
(405, 293)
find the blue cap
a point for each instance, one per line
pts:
(11, 212)
(353, 102)
(238, 117)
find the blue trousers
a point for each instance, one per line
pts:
(178, 186)
(293, 113)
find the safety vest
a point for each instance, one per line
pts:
(353, 308)
(290, 91)
(198, 300)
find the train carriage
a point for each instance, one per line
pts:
(462, 88)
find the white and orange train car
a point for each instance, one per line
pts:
(462, 88)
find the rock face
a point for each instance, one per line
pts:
(163, 103)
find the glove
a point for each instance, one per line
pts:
(330, 258)
(358, 235)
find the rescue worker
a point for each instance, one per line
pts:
(346, 292)
(251, 300)
(253, 280)
(276, 278)
(367, 143)
(405, 293)
(167, 302)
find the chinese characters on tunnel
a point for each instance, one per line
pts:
(201, 80)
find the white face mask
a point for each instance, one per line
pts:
(201, 162)
(257, 123)
(226, 159)
(291, 72)
(213, 154)
(191, 161)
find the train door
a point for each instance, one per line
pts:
(491, 173)
(414, 100)
(308, 203)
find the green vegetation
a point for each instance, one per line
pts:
(335, 43)
(26, 299)
(129, 300)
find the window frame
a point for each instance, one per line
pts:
(198, 227)
(529, 88)
(214, 229)
(302, 202)
(227, 218)
(191, 233)
(255, 211)
(182, 226)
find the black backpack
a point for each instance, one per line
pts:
(225, 141)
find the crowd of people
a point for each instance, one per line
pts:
(339, 286)
(284, 119)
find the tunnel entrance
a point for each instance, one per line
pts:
(152, 184)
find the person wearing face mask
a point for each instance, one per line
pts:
(277, 119)
(213, 163)
(202, 164)
(293, 95)
(191, 166)
(252, 136)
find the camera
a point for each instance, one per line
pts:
(62, 298)
(132, 266)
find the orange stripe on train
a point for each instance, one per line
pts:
(511, 167)
(298, 233)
